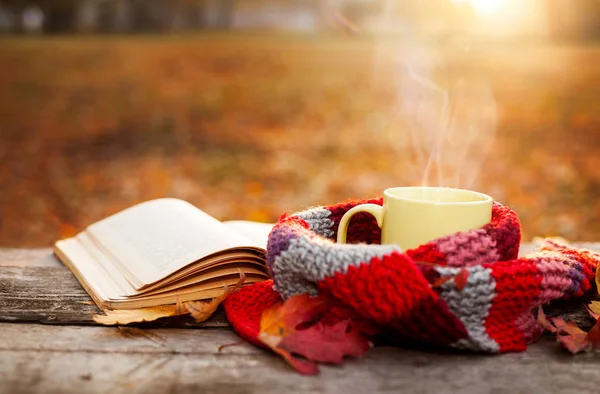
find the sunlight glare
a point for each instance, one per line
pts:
(487, 7)
(483, 7)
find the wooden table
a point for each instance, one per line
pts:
(49, 344)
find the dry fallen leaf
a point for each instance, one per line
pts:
(128, 316)
(594, 306)
(592, 314)
(326, 343)
(594, 333)
(202, 310)
(593, 336)
(305, 367)
(290, 330)
(283, 319)
(569, 335)
(544, 322)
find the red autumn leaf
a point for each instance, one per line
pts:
(283, 319)
(305, 367)
(440, 281)
(461, 278)
(593, 336)
(564, 327)
(327, 344)
(595, 315)
(570, 336)
(541, 318)
(574, 344)
(594, 333)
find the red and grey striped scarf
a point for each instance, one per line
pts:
(469, 290)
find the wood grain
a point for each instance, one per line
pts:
(36, 288)
(69, 355)
(52, 359)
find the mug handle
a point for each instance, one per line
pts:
(373, 209)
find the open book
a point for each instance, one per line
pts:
(162, 252)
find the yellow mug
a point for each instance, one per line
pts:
(413, 215)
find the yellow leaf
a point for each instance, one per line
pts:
(128, 316)
(595, 306)
(202, 310)
(282, 319)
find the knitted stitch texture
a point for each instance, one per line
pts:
(380, 287)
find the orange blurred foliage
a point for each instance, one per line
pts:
(252, 127)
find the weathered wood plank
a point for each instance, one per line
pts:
(36, 287)
(100, 339)
(52, 359)
(33, 257)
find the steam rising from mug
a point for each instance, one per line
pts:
(446, 121)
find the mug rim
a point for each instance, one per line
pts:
(484, 198)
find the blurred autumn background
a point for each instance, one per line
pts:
(252, 108)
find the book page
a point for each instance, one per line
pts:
(107, 294)
(106, 267)
(152, 240)
(256, 231)
(100, 286)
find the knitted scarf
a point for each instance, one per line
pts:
(410, 293)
